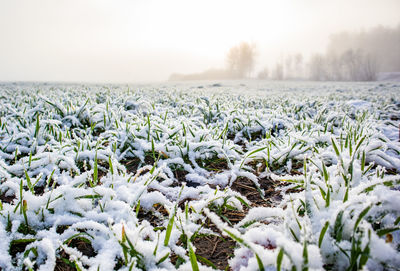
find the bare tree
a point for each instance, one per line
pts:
(352, 61)
(288, 67)
(278, 72)
(233, 61)
(352, 65)
(382, 43)
(317, 67)
(334, 67)
(241, 60)
(370, 68)
(298, 64)
(263, 74)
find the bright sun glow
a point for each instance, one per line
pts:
(210, 27)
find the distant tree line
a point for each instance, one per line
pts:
(241, 60)
(351, 65)
(350, 56)
(381, 43)
(240, 63)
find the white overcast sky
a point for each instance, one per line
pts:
(138, 41)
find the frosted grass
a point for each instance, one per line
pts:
(84, 163)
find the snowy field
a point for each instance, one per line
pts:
(200, 176)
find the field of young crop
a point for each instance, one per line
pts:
(231, 176)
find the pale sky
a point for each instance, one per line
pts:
(139, 41)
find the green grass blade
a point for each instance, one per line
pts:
(322, 234)
(361, 216)
(169, 228)
(305, 257)
(163, 259)
(279, 260)
(29, 183)
(334, 145)
(95, 170)
(206, 261)
(260, 263)
(193, 259)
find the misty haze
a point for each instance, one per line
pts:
(134, 41)
(200, 135)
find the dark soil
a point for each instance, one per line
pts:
(133, 164)
(215, 165)
(180, 175)
(18, 247)
(39, 190)
(248, 189)
(6, 199)
(215, 249)
(235, 216)
(83, 247)
(175, 260)
(61, 228)
(154, 220)
(62, 262)
(105, 168)
(62, 265)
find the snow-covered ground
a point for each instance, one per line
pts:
(136, 177)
